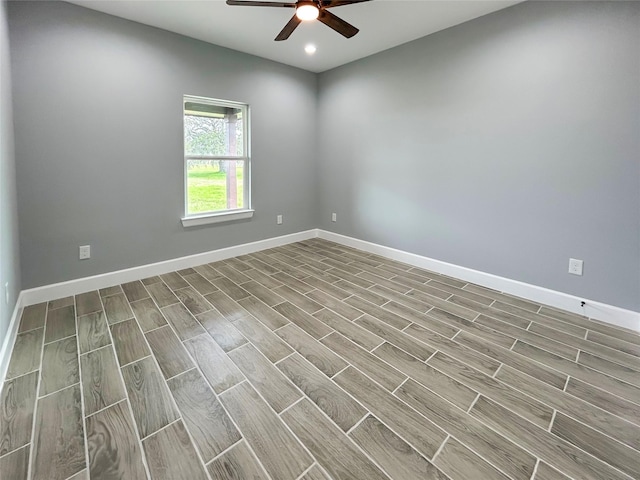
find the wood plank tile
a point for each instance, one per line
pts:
(545, 472)
(531, 337)
(541, 319)
(263, 293)
(332, 303)
(597, 444)
(496, 449)
(615, 343)
(264, 339)
(297, 299)
(207, 272)
(59, 417)
(320, 356)
(88, 302)
(452, 348)
(626, 374)
(275, 388)
(222, 330)
(264, 313)
(586, 374)
(282, 456)
(262, 278)
(117, 309)
(148, 315)
(149, 396)
(218, 369)
(238, 264)
(605, 400)
(170, 454)
(353, 332)
(93, 332)
(169, 352)
(200, 284)
(396, 337)
(445, 386)
(477, 329)
(61, 323)
(461, 292)
(393, 454)
(549, 448)
(210, 426)
(191, 299)
(232, 289)
(17, 403)
(81, 475)
(615, 427)
(422, 319)
(162, 295)
(15, 465)
(315, 473)
(327, 287)
(60, 302)
(502, 297)
(386, 316)
(182, 321)
(135, 290)
(232, 274)
(129, 342)
(381, 372)
(588, 346)
(101, 383)
(114, 451)
(238, 463)
(524, 363)
(421, 433)
(59, 366)
(186, 271)
(580, 321)
(333, 401)
(362, 293)
(306, 322)
(173, 280)
(328, 444)
(108, 291)
(26, 354)
(511, 398)
(229, 308)
(33, 317)
(151, 280)
(460, 463)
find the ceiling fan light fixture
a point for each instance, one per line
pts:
(307, 12)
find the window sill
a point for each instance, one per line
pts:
(206, 219)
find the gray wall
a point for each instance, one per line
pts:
(507, 144)
(98, 121)
(9, 251)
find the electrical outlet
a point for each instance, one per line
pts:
(85, 252)
(279, 219)
(334, 217)
(575, 266)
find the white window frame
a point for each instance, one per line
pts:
(230, 214)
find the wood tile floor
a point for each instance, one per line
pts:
(314, 361)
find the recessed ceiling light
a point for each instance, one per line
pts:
(310, 49)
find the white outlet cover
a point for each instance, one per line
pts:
(84, 252)
(279, 219)
(575, 266)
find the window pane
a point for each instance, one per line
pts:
(216, 131)
(214, 185)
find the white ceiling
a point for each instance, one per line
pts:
(383, 24)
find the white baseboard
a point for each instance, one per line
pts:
(592, 309)
(10, 338)
(81, 285)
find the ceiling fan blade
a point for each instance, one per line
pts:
(339, 3)
(343, 28)
(288, 29)
(249, 3)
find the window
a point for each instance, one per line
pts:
(216, 161)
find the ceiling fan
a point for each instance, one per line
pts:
(308, 10)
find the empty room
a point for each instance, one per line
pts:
(319, 239)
